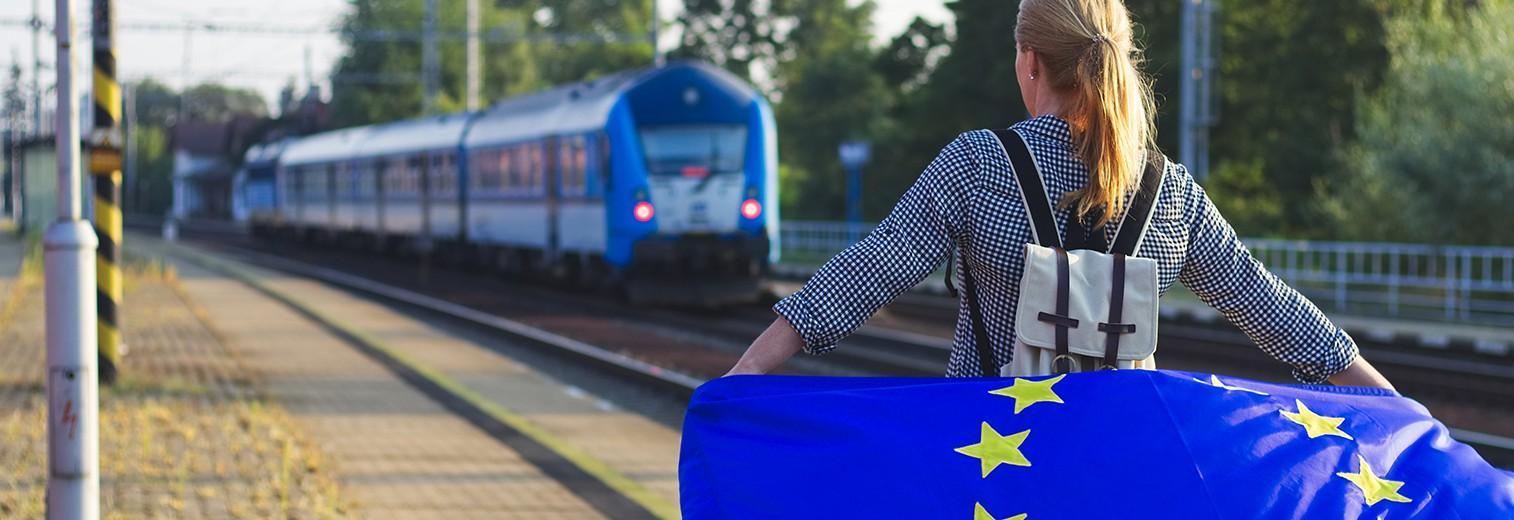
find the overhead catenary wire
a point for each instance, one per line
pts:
(517, 34)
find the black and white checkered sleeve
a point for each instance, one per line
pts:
(1285, 324)
(904, 248)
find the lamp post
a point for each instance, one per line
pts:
(854, 155)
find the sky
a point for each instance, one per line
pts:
(264, 62)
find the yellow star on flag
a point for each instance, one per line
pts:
(1214, 381)
(1026, 392)
(978, 513)
(1314, 423)
(994, 449)
(982, 514)
(1374, 488)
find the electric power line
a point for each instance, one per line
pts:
(495, 35)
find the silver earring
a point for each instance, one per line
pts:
(1032, 75)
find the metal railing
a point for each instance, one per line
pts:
(1472, 284)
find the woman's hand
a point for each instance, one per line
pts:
(1361, 373)
(740, 370)
(772, 348)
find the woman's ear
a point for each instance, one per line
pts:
(1032, 62)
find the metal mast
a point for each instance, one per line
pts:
(73, 400)
(429, 60)
(475, 73)
(1197, 77)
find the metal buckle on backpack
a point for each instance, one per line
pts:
(1056, 365)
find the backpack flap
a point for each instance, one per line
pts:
(1090, 277)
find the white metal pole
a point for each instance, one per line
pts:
(475, 66)
(657, 57)
(36, 23)
(429, 65)
(73, 427)
(1188, 94)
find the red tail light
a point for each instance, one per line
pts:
(751, 209)
(643, 211)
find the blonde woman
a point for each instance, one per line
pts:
(1090, 132)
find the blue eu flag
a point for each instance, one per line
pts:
(1117, 444)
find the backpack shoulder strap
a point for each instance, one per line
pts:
(1032, 190)
(1138, 216)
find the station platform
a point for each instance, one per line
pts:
(383, 414)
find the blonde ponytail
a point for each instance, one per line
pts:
(1086, 49)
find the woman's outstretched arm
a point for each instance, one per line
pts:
(917, 235)
(776, 344)
(1285, 324)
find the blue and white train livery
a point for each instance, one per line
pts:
(663, 180)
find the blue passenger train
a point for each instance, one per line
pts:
(660, 180)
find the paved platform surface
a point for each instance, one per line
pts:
(397, 453)
(185, 433)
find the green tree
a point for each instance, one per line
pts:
(972, 86)
(746, 37)
(152, 191)
(378, 78)
(832, 92)
(157, 108)
(217, 102)
(575, 40)
(156, 104)
(1290, 75)
(13, 101)
(907, 58)
(1435, 159)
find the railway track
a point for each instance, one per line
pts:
(675, 350)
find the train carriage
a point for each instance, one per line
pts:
(661, 180)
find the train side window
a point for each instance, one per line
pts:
(445, 163)
(581, 165)
(307, 181)
(572, 162)
(413, 174)
(538, 169)
(388, 176)
(509, 168)
(564, 163)
(476, 178)
(302, 182)
(343, 188)
(362, 179)
(602, 161)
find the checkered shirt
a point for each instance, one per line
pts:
(967, 202)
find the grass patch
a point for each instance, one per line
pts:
(177, 457)
(183, 434)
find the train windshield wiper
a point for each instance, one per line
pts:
(714, 164)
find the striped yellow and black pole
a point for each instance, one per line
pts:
(105, 167)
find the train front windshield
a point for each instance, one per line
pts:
(694, 151)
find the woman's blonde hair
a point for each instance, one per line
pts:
(1085, 48)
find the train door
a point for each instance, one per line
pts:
(551, 183)
(380, 168)
(296, 196)
(332, 171)
(422, 169)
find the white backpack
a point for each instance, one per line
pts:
(1084, 305)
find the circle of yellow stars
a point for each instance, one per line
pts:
(994, 449)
